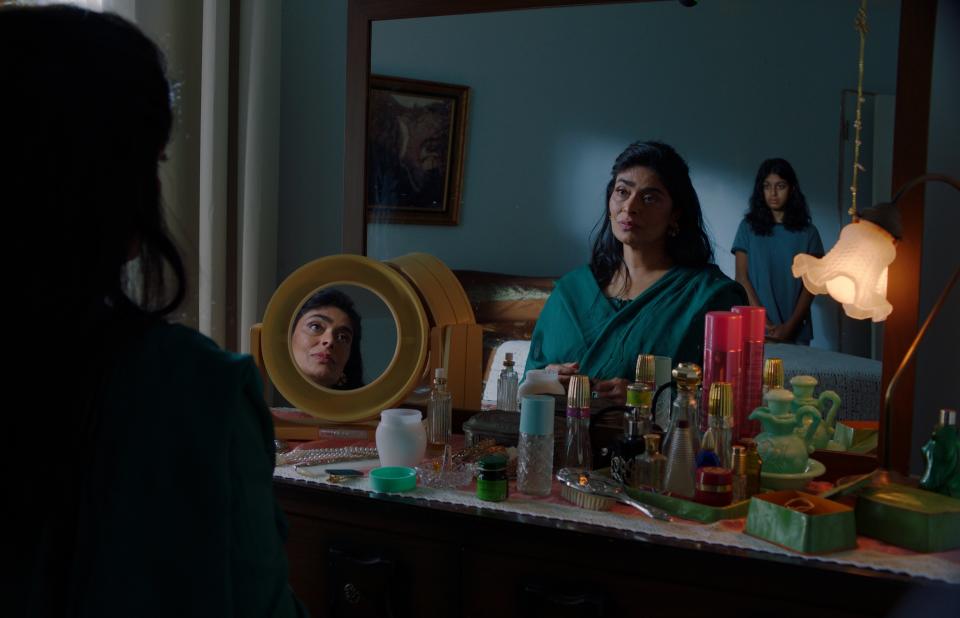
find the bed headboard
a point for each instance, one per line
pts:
(505, 306)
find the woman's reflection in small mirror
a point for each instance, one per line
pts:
(326, 341)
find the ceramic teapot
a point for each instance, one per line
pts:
(782, 448)
(827, 405)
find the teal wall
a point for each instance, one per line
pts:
(313, 81)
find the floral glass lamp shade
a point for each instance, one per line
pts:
(854, 272)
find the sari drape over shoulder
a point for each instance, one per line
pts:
(579, 323)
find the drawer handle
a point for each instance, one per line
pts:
(351, 594)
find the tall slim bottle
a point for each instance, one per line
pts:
(636, 423)
(681, 462)
(507, 386)
(438, 409)
(686, 406)
(577, 451)
(722, 342)
(721, 420)
(751, 369)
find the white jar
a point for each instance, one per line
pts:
(401, 437)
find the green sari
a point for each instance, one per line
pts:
(579, 323)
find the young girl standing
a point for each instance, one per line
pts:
(776, 228)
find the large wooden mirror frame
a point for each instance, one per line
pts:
(914, 69)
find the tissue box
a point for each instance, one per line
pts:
(909, 517)
(826, 527)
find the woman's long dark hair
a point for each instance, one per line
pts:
(689, 247)
(796, 215)
(353, 370)
(84, 117)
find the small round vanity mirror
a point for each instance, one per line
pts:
(344, 337)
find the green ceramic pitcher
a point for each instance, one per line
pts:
(782, 448)
(827, 406)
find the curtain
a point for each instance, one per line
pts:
(230, 253)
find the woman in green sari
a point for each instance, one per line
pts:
(650, 281)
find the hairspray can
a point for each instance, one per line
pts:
(751, 369)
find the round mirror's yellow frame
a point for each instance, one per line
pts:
(401, 375)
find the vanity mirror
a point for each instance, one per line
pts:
(328, 315)
(910, 61)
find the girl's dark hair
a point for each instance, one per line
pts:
(353, 370)
(85, 115)
(691, 245)
(796, 215)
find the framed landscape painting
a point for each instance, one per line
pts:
(415, 142)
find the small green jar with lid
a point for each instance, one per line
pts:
(492, 484)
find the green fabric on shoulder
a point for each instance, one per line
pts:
(579, 323)
(180, 517)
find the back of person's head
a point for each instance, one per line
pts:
(691, 245)
(796, 214)
(85, 116)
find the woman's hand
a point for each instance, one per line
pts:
(780, 332)
(614, 389)
(564, 371)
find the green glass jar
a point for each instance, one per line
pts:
(492, 484)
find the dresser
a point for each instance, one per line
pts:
(355, 553)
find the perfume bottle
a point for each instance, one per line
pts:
(640, 400)
(507, 386)
(722, 349)
(772, 376)
(754, 465)
(646, 370)
(686, 405)
(438, 409)
(681, 465)
(535, 447)
(651, 465)
(741, 489)
(721, 420)
(636, 422)
(577, 449)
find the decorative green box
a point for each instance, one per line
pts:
(826, 527)
(909, 517)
